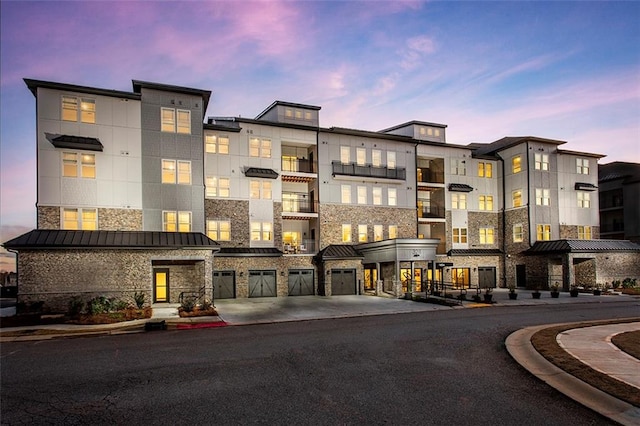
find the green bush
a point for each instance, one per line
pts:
(629, 283)
(206, 305)
(98, 305)
(188, 304)
(75, 306)
(139, 297)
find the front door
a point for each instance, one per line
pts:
(370, 278)
(521, 275)
(160, 285)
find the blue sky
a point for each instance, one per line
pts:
(562, 70)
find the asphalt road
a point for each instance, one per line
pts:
(440, 367)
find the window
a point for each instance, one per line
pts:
(216, 144)
(584, 199)
(391, 160)
(261, 231)
(361, 156)
(393, 231)
(518, 233)
(486, 236)
(459, 235)
(542, 197)
(168, 120)
(362, 233)
(485, 170)
(584, 232)
(542, 161)
(260, 190)
(458, 167)
(376, 158)
(184, 172)
(176, 221)
(70, 109)
(260, 147)
(85, 167)
(345, 154)
(460, 277)
(362, 195)
(76, 219)
(377, 233)
(392, 195)
(184, 121)
(219, 230)
(516, 164)
(217, 187)
(543, 232)
(516, 196)
(345, 194)
(582, 166)
(485, 202)
(168, 171)
(181, 176)
(459, 201)
(346, 233)
(377, 196)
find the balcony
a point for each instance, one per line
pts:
(368, 170)
(298, 202)
(302, 247)
(430, 212)
(297, 165)
(426, 175)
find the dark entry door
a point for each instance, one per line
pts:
(262, 284)
(343, 281)
(521, 275)
(301, 282)
(224, 284)
(487, 277)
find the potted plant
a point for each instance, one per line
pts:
(512, 292)
(536, 293)
(597, 290)
(574, 291)
(555, 290)
(488, 294)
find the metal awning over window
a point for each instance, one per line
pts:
(582, 186)
(261, 173)
(460, 187)
(75, 142)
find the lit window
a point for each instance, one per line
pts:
(265, 148)
(254, 189)
(393, 231)
(376, 158)
(70, 219)
(541, 161)
(345, 191)
(260, 147)
(70, 165)
(516, 164)
(584, 200)
(459, 235)
(168, 171)
(184, 221)
(582, 166)
(377, 196)
(307, 115)
(298, 114)
(518, 233)
(485, 170)
(362, 195)
(542, 197)
(266, 190)
(377, 232)
(460, 277)
(69, 108)
(254, 147)
(584, 232)
(543, 232)
(184, 121)
(184, 172)
(88, 166)
(345, 154)
(392, 196)
(168, 118)
(223, 144)
(458, 167)
(516, 196)
(459, 201)
(288, 112)
(486, 236)
(256, 228)
(362, 233)
(216, 144)
(217, 187)
(346, 233)
(88, 110)
(485, 202)
(261, 231)
(219, 230)
(391, 160)
(361, 156)
(75, 219)
(176, 221)
(260, 190)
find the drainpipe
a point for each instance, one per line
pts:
(504, 223)
(17, 276)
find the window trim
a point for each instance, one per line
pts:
(79, 219)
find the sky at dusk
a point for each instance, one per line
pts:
(560, 70)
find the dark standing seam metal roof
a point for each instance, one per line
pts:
(75, 142)
(62, 239)
(460, 187)
(338, 251)
(261, 173)
(582, 186)
(583, 246)
(249, 252)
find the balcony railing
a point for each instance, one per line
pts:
(294, 202)
(368, 170)
(425, 175)
(301, 165)
(433, 212)
(304, 247)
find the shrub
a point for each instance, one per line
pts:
(206, 305)
(139, 297)
(629, 283)
(119, 305)
(75, 306)
(188, 304)
(98, 305)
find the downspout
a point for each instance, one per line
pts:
(415, 191)
(17, 276)
(528, 195)
(504, 223)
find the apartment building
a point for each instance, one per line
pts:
(139, 191)
(619, 193)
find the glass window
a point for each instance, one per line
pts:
(254, 147)
(256, 228)
(458, 167)
(169, 221)
(69, 108)
(485, 169)
(265, 148)
(345, 154)
(210, 144)
(260, 147)
(391, 159)
(70, 219)
(168, 171)
(459, 201)
(485, 202)
(518, 233)
(184, 221)
(88, 110)
(184, 172)
(88, 166)
(346, 233)
(376, 158)
(345, 191)
(288, 112)
(584, 200)
(216, 144)
(168, 118)
(307, 115)
(582, 166)
(460, 277)
(542, 161)
(223, 187)
(486, 236)
(542, 197)
(219, 230)
(361, 156)
(254, 189)
(516, 196)
(223, 144)
(362, 233)
(393, 231)
(377, 196)
(184, 121)
(392, 196)
(362, 195)
(377, 232)
(69, 164)
(266, 190)
(460, 235)
(267, 234)
(516, 164)
(584, 232)
(543, 232)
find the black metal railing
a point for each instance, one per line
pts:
(301, 165)
(197, 297)
(425, 175)
(368, 170)
(434, 212)
(304, 247)
(296, 202)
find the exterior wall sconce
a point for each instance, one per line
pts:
(282, 273)
(241, 274)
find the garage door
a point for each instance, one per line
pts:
(301, 282)
(487, 277)
(343, 281)
(262, 284)
(224, 284)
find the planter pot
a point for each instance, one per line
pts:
(488, 297)
(574, 293)
(513, 296)
(476, 298)
(555, 294)
(536, 295)
(597, 292)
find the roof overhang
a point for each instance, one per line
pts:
(259, 172)
(75, 142)
(583, 186)
(460, 187)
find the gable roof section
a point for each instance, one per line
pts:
(44, 239)
(507, 142)
(33, 86)
(583, 246)
(338, 251)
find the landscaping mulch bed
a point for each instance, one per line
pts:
(31, 319)
(628, 342)
(198, 313)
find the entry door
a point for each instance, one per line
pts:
(521, 275)
(370, 278)
(301, 282)
(343, 281)
(224, 285)
(487, 277)
(262, 284)
(160, 285)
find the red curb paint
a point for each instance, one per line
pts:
(201, 325)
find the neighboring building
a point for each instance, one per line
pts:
(619, 187)
(131, 181)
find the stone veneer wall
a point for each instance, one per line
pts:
(570, 232)
(617, 266)
(333, 216)
(108, 219)
(343, 264)
(471, 262)
(48, 217)
(235, 211)
(54, 276)
(477, 220)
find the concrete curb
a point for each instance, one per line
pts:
(520, 348)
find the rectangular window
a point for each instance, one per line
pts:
(459, 235)
(459, 201)
(260, 147)
(88, 110)
(485, 202)
(76, 219)
(518, 233)
(584, 232)
(582, 166)
(217, 187)
(542, 197)
(86, 168)
(265, 148)
(168, 120)
(516, 196)
(345, 194)
(69, 164)
(516, 164)
(391, 160)
(261, 231)
(458, 167)
(184, 221)
(377, 233)
(376, 158)
(69, 108)
(361, 156)
(460, 277)
(485, 170)
(176, 221)
(254, 189)
(542, 162)
(168, 171)
(345, 154)
(543, 232)
(260, 190)
(346, 233)
(256, 228)
(486, 236)
(362, 195)
(392, 195)
(254, 147)
(377, 196)
(184, 172)
(184, 121)
(362, 233)
(219, 230)
(216, 144)
(584, 200)
(393, 231)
